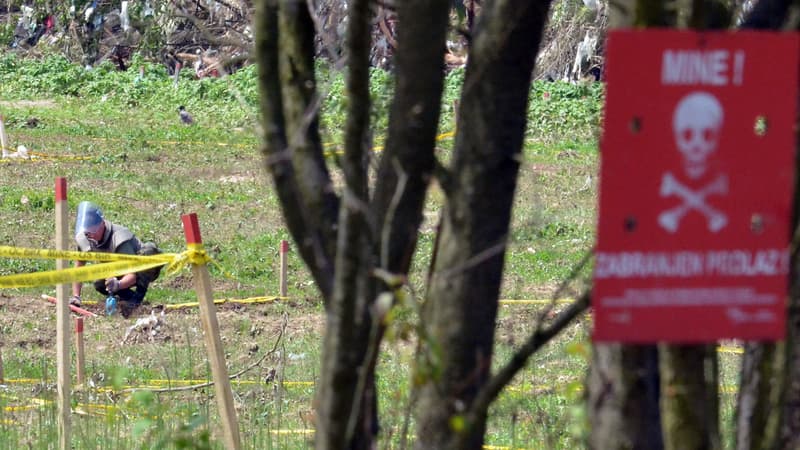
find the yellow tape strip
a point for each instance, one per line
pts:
(21, 408)
(220, 301)
(35, 253)
(446, 135)
(47, 156)
(377, 148)
(116, 264)
(149, 141)
(728, 349)
(77, 274)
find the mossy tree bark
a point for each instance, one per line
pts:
(623, 393)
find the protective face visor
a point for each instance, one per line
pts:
(89, 220)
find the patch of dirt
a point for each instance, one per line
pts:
(29, 323)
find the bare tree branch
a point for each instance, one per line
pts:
(537, 340)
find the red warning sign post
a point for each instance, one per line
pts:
(697, 177)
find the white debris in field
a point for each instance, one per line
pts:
(148, 328)
(21, 153)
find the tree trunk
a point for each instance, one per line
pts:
(689, 396)
(790, 396)
(461, 307)
(759, 397)
(293, 150)
(623, 386)
(407, 165)
(623, 391)
(346, 398)
(301, 108)
(690, 373)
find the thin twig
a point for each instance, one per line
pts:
(537, 340)
(211, 383)
(386, 233)
(475, 260)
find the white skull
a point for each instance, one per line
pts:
(696, 124)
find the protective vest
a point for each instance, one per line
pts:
(113, 238)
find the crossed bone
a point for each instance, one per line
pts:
(670, 219)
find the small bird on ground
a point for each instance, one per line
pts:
(185, 116)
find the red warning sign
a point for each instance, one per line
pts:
(697, 176)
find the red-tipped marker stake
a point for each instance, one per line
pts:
(73, 308)
(216, 353)
(62, 319)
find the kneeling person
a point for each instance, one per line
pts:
(94, 233)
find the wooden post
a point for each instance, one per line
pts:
(62, 318)
(216, 354)
(177, 73)
(3, 136)
(284, 265)
(80, 358)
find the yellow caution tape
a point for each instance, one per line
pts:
(150, 141)
(728, 349)
(446, 135)
(22, 381)
(37, 156)
(49, 157)
(35, 253)
(377, 148)
(20, 408)
(221, 301)
(115, 265)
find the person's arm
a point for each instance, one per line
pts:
(127, 280)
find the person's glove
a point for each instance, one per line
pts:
(75, 300)
(112, 285)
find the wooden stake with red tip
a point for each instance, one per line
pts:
(216, 353)
(73, 308)
(62, 319)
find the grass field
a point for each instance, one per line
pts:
(120, 143)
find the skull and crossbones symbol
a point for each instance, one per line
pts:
(696, 124)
